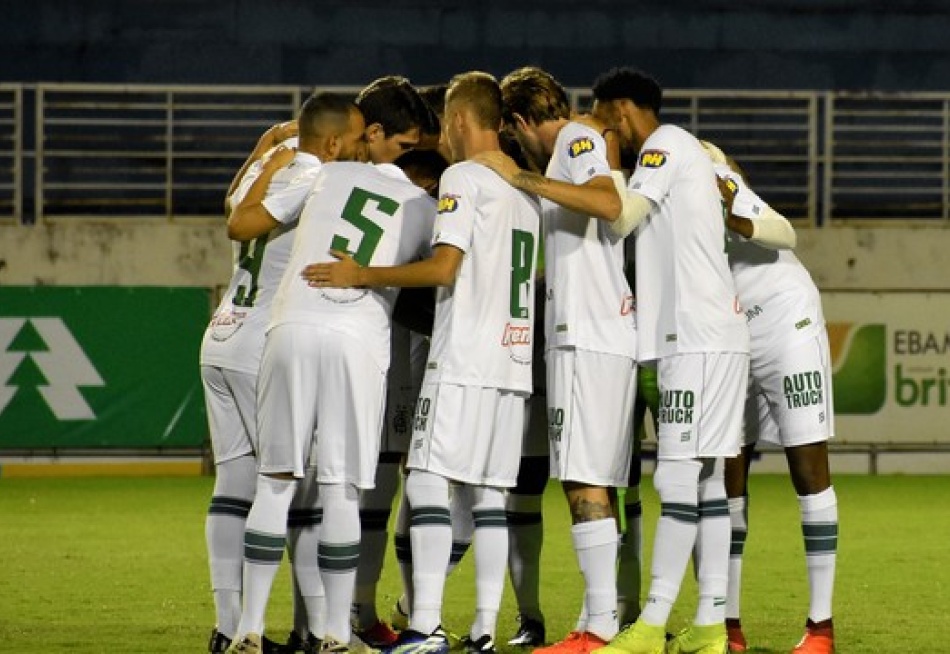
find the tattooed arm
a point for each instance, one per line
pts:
(597, 197)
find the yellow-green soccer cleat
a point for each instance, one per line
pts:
(250, 644)
(708, 639)
(638, 638)
(399, 617)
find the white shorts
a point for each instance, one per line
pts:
(590, 415)
(319, 385)
(790, 399)
(701, 404)
(231, 401)
(407, 365)
(469, 434)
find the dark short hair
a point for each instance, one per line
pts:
(322, 113)
(535, 95)
(481, 93)
(434, 97)
(428, 162)
(394, 103)
(628, 83)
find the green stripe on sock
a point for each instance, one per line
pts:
(301, 518)
(233, 506)
(737, 545)
(459, 548)
(430, 515)
(714, 509)
(338, 557)
(682, 512)
(263, 548)
(490, 518)
(820, 537)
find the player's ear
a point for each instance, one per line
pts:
(520, 124)
(333, 146)
(374, 131)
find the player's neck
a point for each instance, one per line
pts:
(477, 142)
(548, 132)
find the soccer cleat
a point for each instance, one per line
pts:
(530, 633)
(219, 643)
(250, 644)
(482, 645)
(576, 642)
(818, 639)
(411, 641)
(398, 618)
(706, 639)
(310, 645)
(638, 638)
(737, 641)
(331, 645)
(379, 636)
(359, 646)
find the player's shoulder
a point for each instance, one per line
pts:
(332, 169)
(472, 172)
(670, 144)
(577, 139)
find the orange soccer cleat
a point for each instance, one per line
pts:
(819, 638)
(576, 642)
(737, 642)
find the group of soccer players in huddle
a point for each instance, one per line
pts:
(325, 384)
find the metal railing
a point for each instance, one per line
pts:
(130, 151)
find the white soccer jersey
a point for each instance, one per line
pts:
(235, 337)
(590, 305)
(377, 215)
(781, 302)
(686, 298)
(484, 322)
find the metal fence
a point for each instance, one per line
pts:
(148, 151)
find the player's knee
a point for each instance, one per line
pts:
(425, 488)
(532, 475)
(809, 469)
(677, 480)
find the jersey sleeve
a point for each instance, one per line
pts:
(584, 154)
(654, 173)
(455, 220)
(288, 192)
(421, 211)
(251, 174)
(747, 203)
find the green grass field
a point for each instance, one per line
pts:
(118, 565)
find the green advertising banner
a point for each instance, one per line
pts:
(890, 352)
(101, 367)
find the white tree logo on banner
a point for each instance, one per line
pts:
(64, 364)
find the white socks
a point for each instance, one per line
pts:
(820, 530)
(595, 543)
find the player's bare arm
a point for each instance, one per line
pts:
(597, 197)
(440, 269)
(250, 219)
(275, 135)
